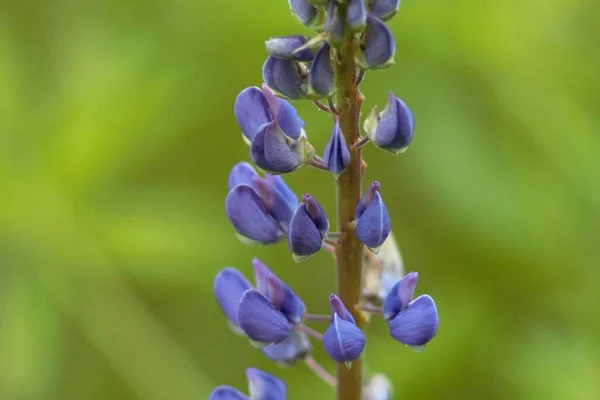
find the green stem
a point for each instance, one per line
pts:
(348, 249)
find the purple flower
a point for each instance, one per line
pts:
(384, 9)
(343, 340)
(356, 15)
(304, 11)
(320, 75)
(258, 208)
(272, 151)
(378, 46)
(372, 219)
(266, 314)
(411, 322)
(334, 25)
(393, 128)
(293, 348)
(336, 154)
(255, 107)
(308, 228)
(287, 47)
(262, 386)
(286, 77)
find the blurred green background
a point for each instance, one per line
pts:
(116, 138)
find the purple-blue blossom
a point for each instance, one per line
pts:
(378, 45)
(356, 15)
(308, 228)
(293, 348)
(393, 128)
(286, 77)
(336, 154)
(343, 340)
(320, 75)
(384, 9)
(304, 11)
(372, 219)
(262, 386)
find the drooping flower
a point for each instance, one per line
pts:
(411, 322)
(266, 314)
(254, 108)
(262, 386)
(336, 154)
(288, 47)
(308, 228)
(343, 340)
(393, 128)
(372, 218)
(258, 208)
(377, 46)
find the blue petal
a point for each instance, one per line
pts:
(378, 45)
(334, 25)
(343, 341)
(286, 46)
(251, 111)
(263, 386)
(249, 217)
(417, 324)
(304, 239)
(384, 9)
(260, 320)
(241, 173)
(396, 125)
(320, 76)
(275, 202)
(293, 348)
(280, 185)
(400, 295)
(271, 151)
(285, 114)
(283, 76)
(316, 213)
(304, 11)
(373, 226)
(356, 15)
(227, 393)
(366, 199)
(280, 294)
(337, 307)
(229, 286)
(336, 154)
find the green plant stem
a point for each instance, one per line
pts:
(348, 249)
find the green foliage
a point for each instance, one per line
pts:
(116, 138)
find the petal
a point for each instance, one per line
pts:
(396, 125)
(285, 77)
(336, 154)
(400, 295)
(378, 387)
(264, 386)
(334, 25)
(280, 185)
(274, 201)
(366, 199)
(337, 307)
(272, 151)
(249, 217)
(384, 9)
(417, 324)
(293, 348)
(316, 213)
(286, 46)
(378, 47)
(285, 114)
(280, 294)
(229, 286)
(227, 393)
(260, 320)
(251, 111)
(343, 341)
(241, 173)
(373, 226)
(356, 15)
(320, 76)
(304, 239)
(304, 11)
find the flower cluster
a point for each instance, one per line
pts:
(263, 210)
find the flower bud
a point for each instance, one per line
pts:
(271, 150)
(343, 340)
(304, 11)
(336, 154)
(320, 75)
(260, 320)
(334, 25)
(378, 46)
(255, 107)
(227, 393)
(293, 348)
(393, 128)
(378, 387)
(400, 295)
(287, 47)
(241, 174)
(265, 386)
(356, 15)
(286, 77)
(384, 9)
(372, 219)
(307, 229)
(228, 287)
(337, 307)
(416, 324)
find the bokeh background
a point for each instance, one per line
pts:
(116, 138)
